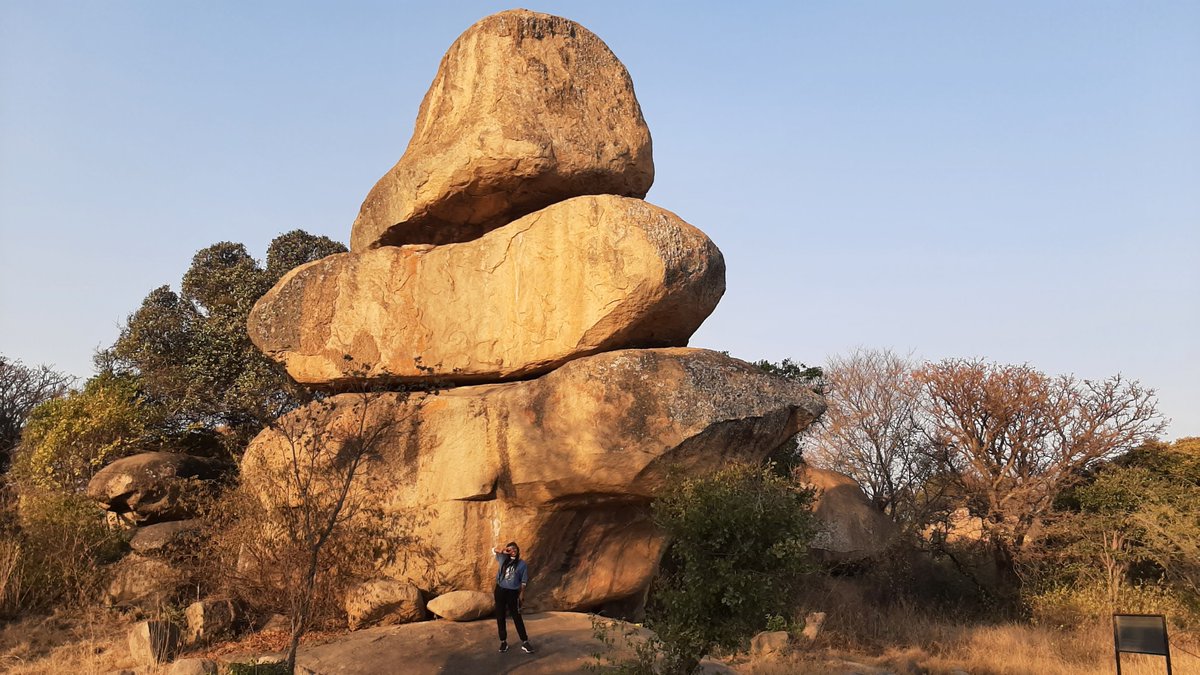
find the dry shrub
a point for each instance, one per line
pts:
(11, 579)
(251, 557)
(895, 634)
(1066, 606)
(55, 556)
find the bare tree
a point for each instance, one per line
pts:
(873, 430)
(1017, 438)
(22, 388)
(308, 525)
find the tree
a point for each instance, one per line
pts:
(192, 350)
(737, 554)
(874, 430)
(1017, 438)
(67, 440)
(313, 524)
(793, 370)
(22, 388)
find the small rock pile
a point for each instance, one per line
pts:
(509, 253)
(158, 495)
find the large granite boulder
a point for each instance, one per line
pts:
(851, 528)
(565, 464)
(587, 275)
(526, 110)
(153, 487)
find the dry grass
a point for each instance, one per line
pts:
(1010, 649)
(904, 639)
(82, 642)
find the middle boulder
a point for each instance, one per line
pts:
(588, 275)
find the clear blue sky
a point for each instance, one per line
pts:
(1013, 180)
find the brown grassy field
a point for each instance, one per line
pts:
(94, 644)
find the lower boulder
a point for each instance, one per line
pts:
(566, 464)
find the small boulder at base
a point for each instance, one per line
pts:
(165, 537)
(463, 605)
(813, 622)
(526, 110)
(145, 583)
(153, 642)
(209, 619)
(383, 601)
(588, 275)
(769, 644)
(193, 667)
(154, 487)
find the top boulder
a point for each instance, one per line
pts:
(526, 110)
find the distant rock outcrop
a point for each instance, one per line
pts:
(851, 528)
(526, 110)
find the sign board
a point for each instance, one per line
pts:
(1141, 634)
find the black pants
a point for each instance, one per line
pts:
(506, 603)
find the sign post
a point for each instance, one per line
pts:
(1141, 634)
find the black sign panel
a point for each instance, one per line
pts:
(1141, 633)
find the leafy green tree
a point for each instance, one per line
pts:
(794, 370)
(192, 351)
(22, 388)
(737, 555)
(67, 440)
(1139, 517)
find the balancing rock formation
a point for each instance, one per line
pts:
(509, 251)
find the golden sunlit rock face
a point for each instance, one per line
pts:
(509, 252)
(587, 275)
(566, 463)
(526, 110)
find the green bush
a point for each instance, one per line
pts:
(738, 554)
(67, 440)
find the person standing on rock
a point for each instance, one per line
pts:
(511, 579)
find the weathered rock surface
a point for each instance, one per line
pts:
(851, 528)
(526, 110)
(193, 667)
(813, 622)
(769, 644)
(588, 275)
(565, 464)
(564, 640)
(153, 642)
(209, 619)
(146, 583)
(384, 601)
(153, 487)
(166, 537)
(462, 605)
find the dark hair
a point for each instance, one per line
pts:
(510, 561)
